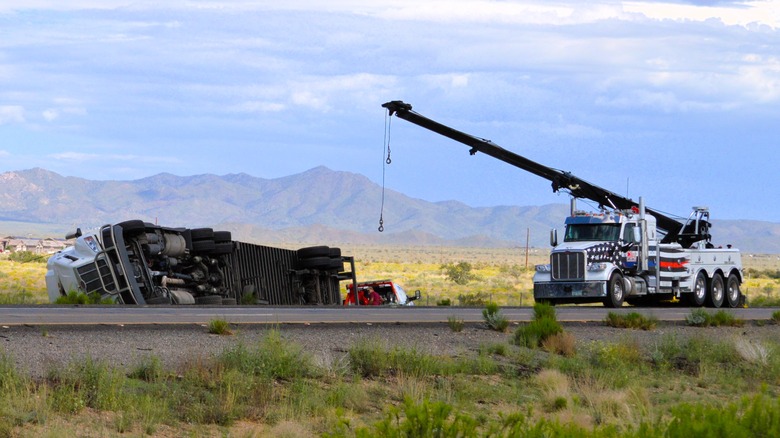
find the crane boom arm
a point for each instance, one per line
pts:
(561, 180)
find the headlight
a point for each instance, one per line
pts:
(543, 268)
(597, 266)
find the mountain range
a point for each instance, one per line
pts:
(316, 206)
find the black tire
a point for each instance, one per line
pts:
(314, 263)
(616, 293)
(733, 293)
(313, 251)
(717, 292)
(222, 236)
(202, 234)
(222, 248)
(229, 301)
(158, 300)
(698, 296)
(204, 246)
(334, 265)
(209, 300)
(133, 226)
(334, 253)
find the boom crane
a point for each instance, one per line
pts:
(621, 253)
(674, 230)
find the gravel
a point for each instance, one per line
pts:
(38, 349)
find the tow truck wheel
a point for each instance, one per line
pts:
(615, 292)
(699, 293)
(732, 291)
(716, 295)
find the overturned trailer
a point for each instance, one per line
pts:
(136, 262)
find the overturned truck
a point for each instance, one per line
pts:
(136, 262)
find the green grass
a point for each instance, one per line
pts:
(703, 318)
(456, 324)
(272, 387)
(219, 327)
(632, 320)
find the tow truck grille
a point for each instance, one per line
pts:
(568, 266)
(91, 273)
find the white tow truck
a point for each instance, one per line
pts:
(624, 252)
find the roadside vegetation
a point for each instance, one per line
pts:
(270, 386)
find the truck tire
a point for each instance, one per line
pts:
(699, 294)
(717, 293)
(209, 300)
(133, 226)
(313, 251)
(314, 263)
(616, 292)
(334, 253)
(222, 236)
(222, 248)
(202, 234)
(203, 246)
(733, 294)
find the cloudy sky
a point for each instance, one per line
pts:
(678, 102)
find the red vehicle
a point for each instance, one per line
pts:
(389, 294)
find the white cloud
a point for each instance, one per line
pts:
(740, 13)
(4, 153)
(11, 114)
(50, 115)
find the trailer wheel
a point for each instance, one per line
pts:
(615, 291)
(716, 295)
(202, 234)
(132, 226)
(313, 251)
(315, 263)
(203, 246)
(732, 291)
(222, 236)
(699, 293)
(208, 299)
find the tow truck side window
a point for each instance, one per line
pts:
(628, 233)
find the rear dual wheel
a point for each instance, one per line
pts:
(733, 294)
(717, 293)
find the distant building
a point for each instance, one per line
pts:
(35, 246)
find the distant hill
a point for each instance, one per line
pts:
(319, 205)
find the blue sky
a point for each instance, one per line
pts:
(674, 101)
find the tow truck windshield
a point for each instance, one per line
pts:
(592, 233)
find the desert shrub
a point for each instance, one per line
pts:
(776, 316)
(458, 273)
(493, 318)
(533, 334)
(77, 297)
(444, 302)
(560, 343)
(27, 257)
(370, 359)
(544, 310)
(757, 416)
(219, 327)
(474, 299)
(149, 369)
(544, 325)
(272, 357)
(456, 324)
(632, 320)
(702, 318)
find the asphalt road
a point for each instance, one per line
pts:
(70, 315)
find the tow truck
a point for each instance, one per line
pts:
(625, 251)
